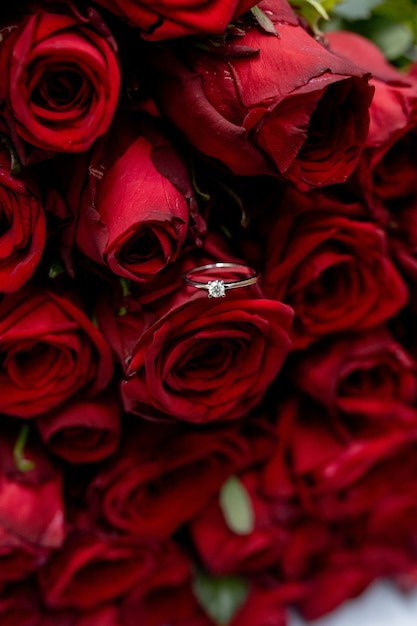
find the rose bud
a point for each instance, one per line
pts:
(61, 78)
(387, 170)
(23, 233)
(277, 104)
(50, 350)
(172, 18)
(363, 376)
(135, 495)
(82, 430)
(92, 569)
(31, 506)
(133, 211)
(332, 269)
(196, 358)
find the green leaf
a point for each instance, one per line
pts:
(313, 11)
(22, 464)
(15, 163)
(221, 597)
(236, 507)
(264, 21)
(56, 268)
(393, 38)
(356, 9)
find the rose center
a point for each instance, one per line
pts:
(58, 89)
(145, 246)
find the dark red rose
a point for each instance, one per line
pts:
(362, 377)
(92, 569)
(50, 350)
(19, 558)
(83, 430)
(332, 269)
(130, 216)
(60, 79)
(31, 502)
(168, 598)
(172, 18)
(344, 575)
(263, 607)
(224, 551)
(195, 358)
(342, 473)
(20, 606)
(105, 615)
(402, 237)
(22, 237)
(137, 496)
(280, 105)
(387, 170)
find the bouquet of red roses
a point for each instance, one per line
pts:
(208, 273)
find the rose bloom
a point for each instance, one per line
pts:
(224, 551)
(332, 269)
(93, 568)
(387, 170)
(31, 501)
(131, 217)
(172, 18)
(83, 429)
(266, 104)
(340, 470)
(363, 377)
(23, 229)
(197, 359)
(50, 350)
(60, 78)
(168, 597)
(135, 495)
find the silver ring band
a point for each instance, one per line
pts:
(217, 287)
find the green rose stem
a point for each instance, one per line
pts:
(15, 163)
(22, 464)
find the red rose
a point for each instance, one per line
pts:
(332, 269)
(137, 496)
(341, 472)
(263, 607)
(92, 569)
(130, 216)
(198, 359)
(172, 18)
(50, 351)
(167, 599)
(268, 104)
(363, 377)
(18, 558)
(387, 168)
(83, 430)
(19, 605)
(60, 79)
(22, 237)
(31, 502)
(224, 551)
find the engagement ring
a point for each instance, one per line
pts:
(217, 287)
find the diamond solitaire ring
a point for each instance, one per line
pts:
(215, 286)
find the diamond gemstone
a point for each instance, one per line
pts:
(216, 289)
